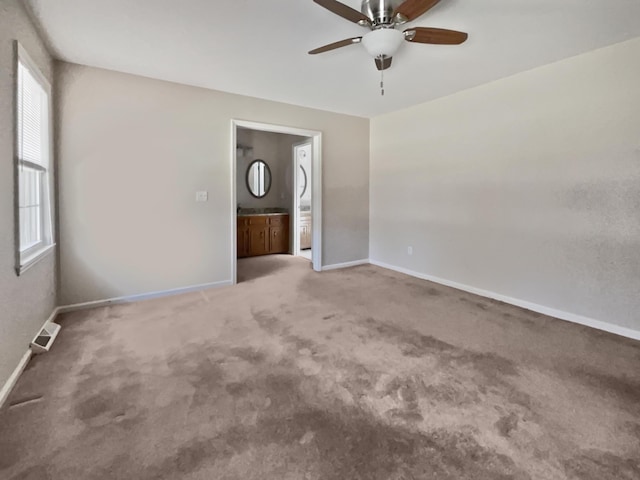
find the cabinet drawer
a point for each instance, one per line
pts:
(253, 221)
(276, 220)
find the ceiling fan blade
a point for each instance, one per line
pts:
(436, 36)
(333, 46)
(412, 9)
(344, 11)
(384, 63)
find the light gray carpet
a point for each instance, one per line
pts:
(353, 374)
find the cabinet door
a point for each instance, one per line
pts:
(279, 242)
(258, 241)
(243, 242)
(305, 232)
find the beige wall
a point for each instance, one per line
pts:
(132, 153)
(26, 301)
(527, 187)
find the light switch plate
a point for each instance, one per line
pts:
(202, 196)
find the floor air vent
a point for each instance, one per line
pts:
(43, 341)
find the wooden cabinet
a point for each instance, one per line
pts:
(263, 235)
(258, 241)
(305, 230)
(243, 241)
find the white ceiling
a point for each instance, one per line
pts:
(259, 47)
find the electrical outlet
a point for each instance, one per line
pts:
(409, 250)
(202, 196)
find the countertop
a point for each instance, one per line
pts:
(261, 212)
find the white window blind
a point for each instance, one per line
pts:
(32, 130)
(32, 118)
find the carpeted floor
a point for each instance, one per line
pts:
(360, 373)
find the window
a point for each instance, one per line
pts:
(34, 238)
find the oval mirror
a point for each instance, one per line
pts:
(302, 181)
(258, 178)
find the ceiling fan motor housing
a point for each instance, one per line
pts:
(380, 11)
(382, 17)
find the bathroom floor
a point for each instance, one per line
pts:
(306, 254)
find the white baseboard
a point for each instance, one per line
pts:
(336, 266)
(13, 378)
(142, 296)
(534, 307)
(6, 389)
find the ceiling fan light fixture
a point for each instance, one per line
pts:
(383, 42)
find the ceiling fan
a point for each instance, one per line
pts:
(382, 17)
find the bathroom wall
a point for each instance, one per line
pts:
(276, 150)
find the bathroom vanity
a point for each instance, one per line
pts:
(305, 230)
(262, 232)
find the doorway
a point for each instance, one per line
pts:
(306, 190)
(303, 199)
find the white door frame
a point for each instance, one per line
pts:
(296, 198)
(316, 187)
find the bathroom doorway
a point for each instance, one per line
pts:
(302, 201)
(262, 176)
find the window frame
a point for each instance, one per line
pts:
(24, 259)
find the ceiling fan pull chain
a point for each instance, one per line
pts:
(381, 58)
